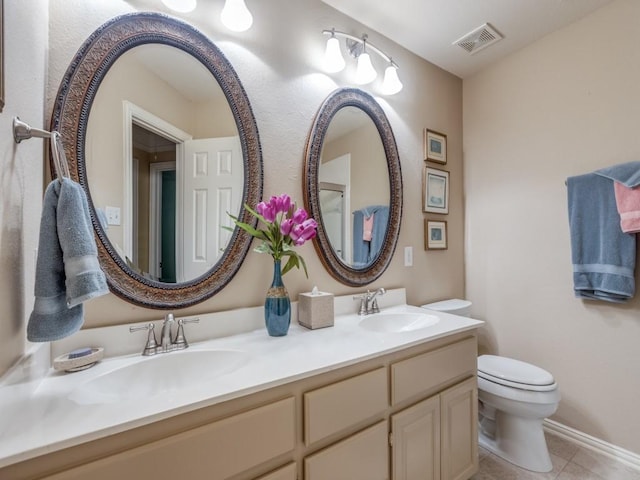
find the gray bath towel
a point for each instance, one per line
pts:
(603, 256)
(627, 174)
(67, 268)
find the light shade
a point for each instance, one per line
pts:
(236, 16)
(365, 73)
(391, 83)
(333, 59)
(182, 6)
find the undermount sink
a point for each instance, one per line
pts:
(399, 322)
(162, 374)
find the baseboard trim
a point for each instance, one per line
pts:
(587, 441)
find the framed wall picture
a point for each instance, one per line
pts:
(435, 235)
(435, 146)
(435, 190)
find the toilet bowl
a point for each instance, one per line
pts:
(514, 398)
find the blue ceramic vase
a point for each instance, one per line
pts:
(277, 305)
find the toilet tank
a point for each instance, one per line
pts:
(454, 306)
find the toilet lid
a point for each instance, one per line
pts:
(509, 371)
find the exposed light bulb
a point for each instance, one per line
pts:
(365, 73)
(333, 59)
(236, 16)
(391, 83)
(182, 6)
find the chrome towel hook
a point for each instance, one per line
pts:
(23, 131)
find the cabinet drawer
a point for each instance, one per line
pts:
(363, 456)
(284, 473)
(426, 373)
(214, 452)
(337, 407)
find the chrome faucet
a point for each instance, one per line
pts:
(369, 302)
(168, 342)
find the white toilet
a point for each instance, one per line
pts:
(514, 399)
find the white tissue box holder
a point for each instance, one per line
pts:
(315, 310)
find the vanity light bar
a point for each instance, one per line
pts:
(359, 48)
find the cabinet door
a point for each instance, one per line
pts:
(459, 424)
(416, 442)
(363, 456)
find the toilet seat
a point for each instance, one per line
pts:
(515, 374)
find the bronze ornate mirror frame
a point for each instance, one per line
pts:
(70, 117)
(333, 263)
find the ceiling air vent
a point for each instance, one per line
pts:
(480, 38)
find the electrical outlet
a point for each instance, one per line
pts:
(113, 215)
(408, 256)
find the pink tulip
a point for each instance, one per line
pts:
(286, 226)
(300, 215)
(267, 211)
(304, 231)
(280, 203)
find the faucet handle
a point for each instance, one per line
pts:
(181, 341)
(151, 347)
(374, 306)
(364, 300)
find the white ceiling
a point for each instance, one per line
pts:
(429, 27)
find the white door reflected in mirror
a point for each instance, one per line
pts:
(163, 147)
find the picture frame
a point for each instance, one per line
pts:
(435, 235)
(435, 197)
(435, 146)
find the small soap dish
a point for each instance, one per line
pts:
(79, 359)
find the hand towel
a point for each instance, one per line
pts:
(628, 204)
(84, 277)
(603, 256)
(67, 269)
(626, 178)
(367, 227)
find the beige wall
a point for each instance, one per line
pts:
(21, 169)
(567, 105)
(282, 80)
(283, 83)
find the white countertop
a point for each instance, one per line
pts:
(46, 419)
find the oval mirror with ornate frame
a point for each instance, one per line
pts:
(337, 104)
(70, 117)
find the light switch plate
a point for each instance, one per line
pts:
(408, 256)
(113, 215)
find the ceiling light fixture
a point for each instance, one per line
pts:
(236, 16)
(182, 6)
(359, 48)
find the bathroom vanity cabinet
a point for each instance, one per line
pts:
(406, 415)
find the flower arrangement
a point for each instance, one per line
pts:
(287, 227)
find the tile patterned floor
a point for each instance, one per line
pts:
(570, 462)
